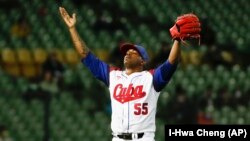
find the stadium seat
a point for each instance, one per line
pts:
(232, 85)
(224, 121)
(241, 111)
(247, 117)
(225, 112)
(201, 85)
(26, 62)
(71, 57)
(233, 117)
(10, 62)
(236, 69)
(216, 115)
(195, 57)
(24, 56)
(59, 53)
(103, 54)
(191, 91)
(39, 55)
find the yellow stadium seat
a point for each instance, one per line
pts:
(26, 63)
(9, 61)
(40, 55)
(29, 71)
(103, 54)
(59, 54)
(71, 57)
(24, 56)
(195, 57)
(8, 56)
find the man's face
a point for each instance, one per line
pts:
(132, 58)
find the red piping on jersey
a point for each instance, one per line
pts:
(112, 68)
(152, 71)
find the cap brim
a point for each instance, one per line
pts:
(125, 47)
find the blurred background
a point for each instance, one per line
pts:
(47, 94)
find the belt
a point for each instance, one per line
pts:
(130, 136)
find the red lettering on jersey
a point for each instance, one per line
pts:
(123, 94)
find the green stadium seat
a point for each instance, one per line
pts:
(216, 115)
(216, 84)
(232, 85)
(225, 110)
(233, 117)
(247, 117)
(142, 10)
(241, 121)
(241, 111)
(224, 121)
(88, 104)
(220, 69)
(22, 85)
(191, 90)
(236, 69)
(201, 85)
(123, 5)
(225, 76)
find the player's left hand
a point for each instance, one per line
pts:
(186, 27)
(70, 21)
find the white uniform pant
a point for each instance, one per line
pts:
(146, 137)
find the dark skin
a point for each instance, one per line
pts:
(133, 62)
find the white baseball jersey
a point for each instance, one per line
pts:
(133, 97)
(134, 102)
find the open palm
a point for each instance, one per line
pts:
(70, 21)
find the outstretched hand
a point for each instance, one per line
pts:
(70, 21)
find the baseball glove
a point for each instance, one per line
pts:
(186, 27)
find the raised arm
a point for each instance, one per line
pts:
(79, 44)
(175, 53)
(186, 27)
(165, 71)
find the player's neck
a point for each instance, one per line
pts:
(131, 71)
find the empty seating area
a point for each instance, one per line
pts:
(27, 63)
(214, 76)
(141, 22)
(73, 117)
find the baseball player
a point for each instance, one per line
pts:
(133, 91)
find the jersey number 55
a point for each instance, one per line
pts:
(141, 108)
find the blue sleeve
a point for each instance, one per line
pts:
(162, 75)
(98, 68)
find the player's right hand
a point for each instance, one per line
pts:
(70, 21)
